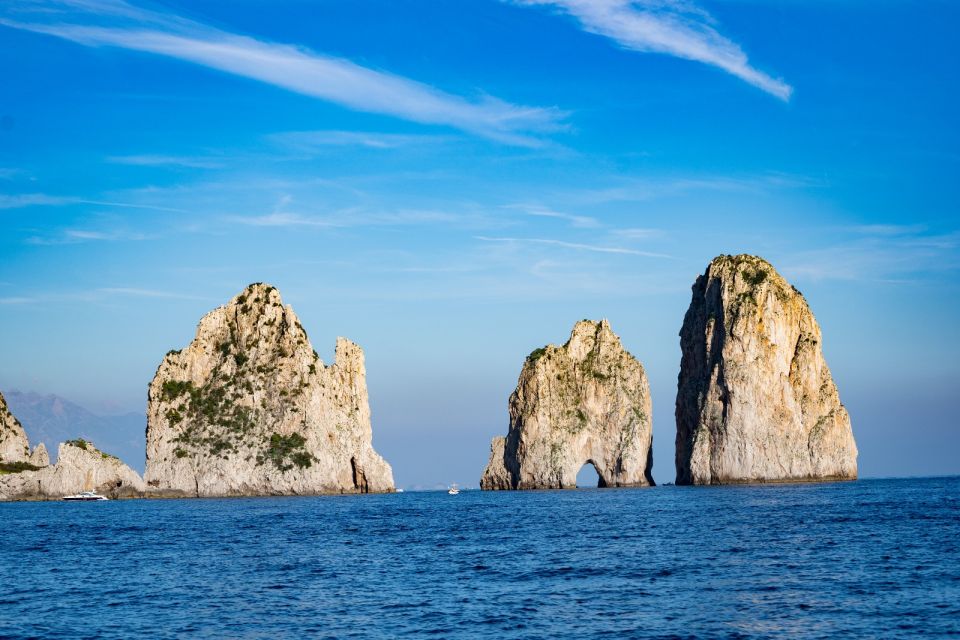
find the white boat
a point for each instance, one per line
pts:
(86, 496)
(453, 490)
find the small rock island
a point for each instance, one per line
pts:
(248, 408)
(587, 401)
(755, 398)
(26, 475)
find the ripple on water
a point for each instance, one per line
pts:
(870, 558)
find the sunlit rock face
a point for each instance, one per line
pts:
(587, 401)
(248, 408)
(80, 467)
(755, 399)
(14, 446)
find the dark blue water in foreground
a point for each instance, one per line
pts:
(876, 558)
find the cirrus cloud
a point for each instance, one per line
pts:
(115, 23)
(672, 27)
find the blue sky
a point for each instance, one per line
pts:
(452, 185)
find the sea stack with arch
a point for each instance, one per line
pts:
(755, 398)
(587, 401)
(248, 408)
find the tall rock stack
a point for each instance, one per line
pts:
(755, 399)
(585, 402)
(248, 408)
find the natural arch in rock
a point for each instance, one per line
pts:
(589, 477)
(587, 400)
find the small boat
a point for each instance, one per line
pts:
(86, 496)
(453, 490)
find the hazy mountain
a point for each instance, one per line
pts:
(51, 419)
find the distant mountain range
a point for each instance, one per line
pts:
(51, 420)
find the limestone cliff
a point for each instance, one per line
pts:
(80, 467)
(14, 446)
(585, 402)
(248, 408)
(755, 399)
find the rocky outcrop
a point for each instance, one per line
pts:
(80, 467)
(248, 408)
(39, 456)
(755, 399)
(14, 446)
(585, 402)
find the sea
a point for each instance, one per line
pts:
(865, 559)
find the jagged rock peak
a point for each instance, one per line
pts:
(39, 457)
(755, 399)
(585, 402)
(14, 446)
(248, 408)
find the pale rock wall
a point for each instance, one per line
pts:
(248, 408)
(80, 467)
(586, 401)
(755, 400)
(14, 446)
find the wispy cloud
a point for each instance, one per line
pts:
(33, 199)
(281, 216)
(167, 161)
(638, 233)
(145, 293)
(102, 294)
(540, 211)
(282, 220)
(880, 253)
(888, 229)
(673, 27)
(313, 140)
(24, 200)
(117, 23)
(77, 236)
(356, 217)
(573, 245)
(645, 189)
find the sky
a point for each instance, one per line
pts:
(454, 184)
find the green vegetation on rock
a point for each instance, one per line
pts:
(286, 452)
(17, 467)
(536, 354)
(755, 277)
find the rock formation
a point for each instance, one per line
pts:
(39, 457)
(755, 399)
(248, 408)
(585, 402)
(14, 446)
(80, 467)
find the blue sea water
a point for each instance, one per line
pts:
(874, 558)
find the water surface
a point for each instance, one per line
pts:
(869, 558)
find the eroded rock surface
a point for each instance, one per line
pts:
(248, 408)
(755, 400)
(80, 467)
(587, 401)
(14, 446)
